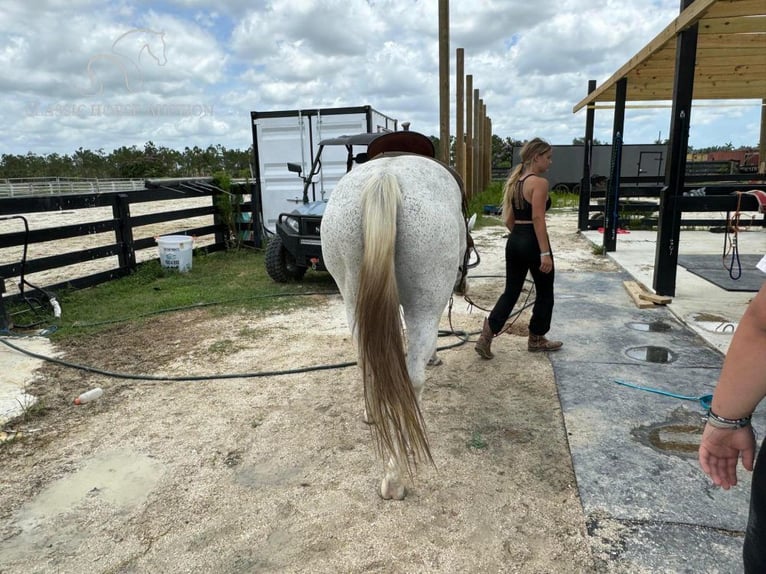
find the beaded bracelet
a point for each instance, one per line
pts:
(720, 422)
(545, 253)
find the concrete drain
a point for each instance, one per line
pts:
(652, 327)
(651, 354)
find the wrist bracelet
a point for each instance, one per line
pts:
(720, 422)
(544, 253)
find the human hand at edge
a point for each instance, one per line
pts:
(719, 451)
(546, 263)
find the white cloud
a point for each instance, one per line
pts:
(530, 61)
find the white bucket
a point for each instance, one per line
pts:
(176, 252)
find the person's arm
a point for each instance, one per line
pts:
(539, 201)
(509, 218)
(741, 386)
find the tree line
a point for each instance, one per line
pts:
(130, 162)
(159, 161)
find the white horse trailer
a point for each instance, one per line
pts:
(293, 136)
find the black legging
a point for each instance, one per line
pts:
(522, 254)
(754, 550)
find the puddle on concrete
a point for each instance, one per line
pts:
(122, 478)
(679, 435)
(651, 354)
(651, 327)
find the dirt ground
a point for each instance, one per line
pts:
(277, 473)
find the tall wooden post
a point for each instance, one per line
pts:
(444, 80)
(488, 166)
(460, 112)
(468, 180)
(762, 146)
(476, 140)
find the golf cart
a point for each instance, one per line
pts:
(296, 245)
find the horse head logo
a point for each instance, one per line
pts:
(125, 60)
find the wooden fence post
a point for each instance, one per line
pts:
(123, 231)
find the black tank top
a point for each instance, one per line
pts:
(525, 213)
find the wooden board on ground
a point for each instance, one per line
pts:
(635, 289)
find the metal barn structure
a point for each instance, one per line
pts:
(714, 50)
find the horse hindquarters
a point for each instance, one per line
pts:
(390, 399)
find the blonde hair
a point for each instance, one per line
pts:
(512, 192)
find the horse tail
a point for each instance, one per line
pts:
(388, 394)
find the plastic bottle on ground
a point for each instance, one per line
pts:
(88, 396)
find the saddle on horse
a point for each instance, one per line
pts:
(414, 143)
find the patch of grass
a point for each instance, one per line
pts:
(598, 250)
(221, 281)
(493, 195)
(477, 441)
(564, 199)
(223, 347)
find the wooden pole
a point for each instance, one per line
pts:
(762, 146)
(444, 80)
(477, 127)
(460, 112)
(468, 180)
(488, 166)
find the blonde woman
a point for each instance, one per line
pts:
(525, 201)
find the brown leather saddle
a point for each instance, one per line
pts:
(414, 143)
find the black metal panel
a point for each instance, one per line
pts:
(613, 197)
(666, 253)
(582, 219)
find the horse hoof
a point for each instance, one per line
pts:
(391, 490)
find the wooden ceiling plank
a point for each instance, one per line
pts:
(728, 8)
(687, 18)
(715, 41)
(730, 52)
(735, 25)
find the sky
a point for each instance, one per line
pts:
(105, 74)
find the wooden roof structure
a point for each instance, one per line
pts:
(730, 59)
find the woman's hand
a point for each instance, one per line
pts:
(546, 263)
(721, 449)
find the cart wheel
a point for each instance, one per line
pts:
(280, 263)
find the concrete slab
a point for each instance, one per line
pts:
(708, 310)
(635, 452)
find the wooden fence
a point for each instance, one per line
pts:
(37, 186)
(129, 237)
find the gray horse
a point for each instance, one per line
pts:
(394, 237)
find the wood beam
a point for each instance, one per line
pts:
(728, 8)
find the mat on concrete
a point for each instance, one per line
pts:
(725, 272)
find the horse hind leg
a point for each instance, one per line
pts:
(392, 487)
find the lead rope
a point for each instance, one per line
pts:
(730, 243)
(507, 327)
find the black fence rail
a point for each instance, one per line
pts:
(639, 199)
(123, 226)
